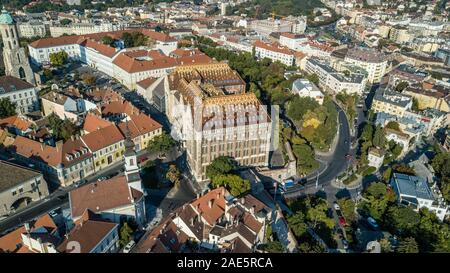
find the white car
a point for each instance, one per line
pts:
(129, 246)
(336, 206)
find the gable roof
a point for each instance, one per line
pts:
(12, 242)
(102, 196)
(93, 122)
(138, 125)
(17, 122)
(216, 198)
(102, 138)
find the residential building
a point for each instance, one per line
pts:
(391, 102)
(64, 106)
(275, 52)
(142, 130)
(19, 186)
(194, 94)
(19, 92)
(216, 221)
(32, 29)
(37, 236)
(93, 235)
(265, 27)
(291, 40)
(62, 164)
(374, 62)
(128, 202)
(106, 145)
(375, 157)
(414, 191)
(305, 88)
(437, 97)
(334, 81)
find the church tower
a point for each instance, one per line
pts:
(14, 57)
(131, 165)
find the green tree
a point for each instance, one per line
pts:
(59, 58)
(7, 108)
(173, 175)
(415, 105)
(402, 218)
(393, 125)
(220, 165)
(367, 133)
(134, 39)
(386, 246)
(62, 129)
(401, 86)
(65, 22)
(108, 40)
(379, 139)
(408, 245)
(377, 190)
(273, 247)
(233, 183)
(161, 144)
(318, 214)
(297, 223)
(348, 207)
(125, 234)
(313, 78)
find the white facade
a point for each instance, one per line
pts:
(375, 70)
(375, 158)
(282, 56)
(305, 88)
(42, 55)
(31, 29)
(292, 41)
(26, 100)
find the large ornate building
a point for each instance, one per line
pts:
(14, 56)
(213, 116)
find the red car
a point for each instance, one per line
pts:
(342, 221)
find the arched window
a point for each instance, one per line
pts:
(9, 43)
(7, 34)
(18, 57)
(131, 162)
(22, 73)
(12, 32)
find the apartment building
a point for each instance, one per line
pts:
(275, 52)
(216, 221)
(415, 191)
(371, 60)
(19, 92)
(201, 102)
(437, 97)
(334, 81)
(291, 40)
(62, 164)
(32, 29)
(391, 102)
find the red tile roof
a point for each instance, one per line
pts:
(102, 138)
(139, 124)
(217, 200)
(15, 121)
(93, 122)
(275, 47)
(102, 196)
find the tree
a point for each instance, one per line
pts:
(318, 214)
(134, 39)
(108, 40)
(415, 105)
(386, 246)
(393, 125)
(401, 219)
(62, 129)
(173, 174)
(125, 234)
(401, 86)
(59, 58)
(367, 133)
(313, 78)
(297, 223)
(161, 144)
(233, 183)
(65, 22)
(7, 108)
(347, 206)
(88, 78)
(408, 245)
(273, 247)
(379, 139)
(220, 165)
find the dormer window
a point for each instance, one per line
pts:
(69, 157)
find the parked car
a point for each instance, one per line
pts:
(372, 223)
(342, 221)
(345, 243)
(129, 246)
(336, 206)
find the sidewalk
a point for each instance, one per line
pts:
(352, 186)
